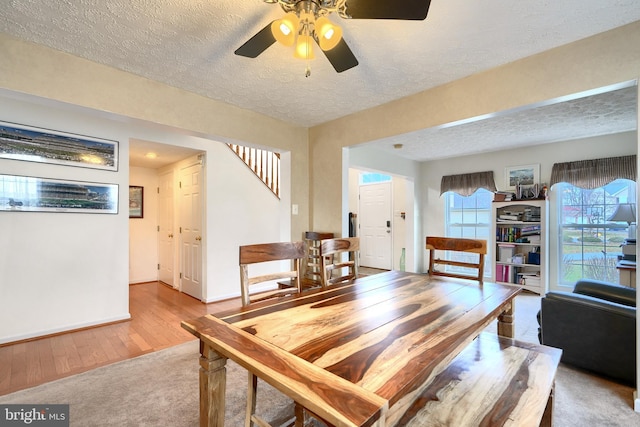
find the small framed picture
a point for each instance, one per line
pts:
(136, 201)
(528, 175)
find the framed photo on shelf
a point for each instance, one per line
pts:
(31, 194)
(136, 202)
(21, 142)
(527, 175)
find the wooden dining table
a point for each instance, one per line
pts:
(354, 355)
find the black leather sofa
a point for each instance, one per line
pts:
(595, 326)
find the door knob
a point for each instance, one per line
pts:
(198, 238)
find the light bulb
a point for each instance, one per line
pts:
(284, 30)
(329, 35)
(304, 47)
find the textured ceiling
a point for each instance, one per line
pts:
(601, 114)
(189, 44)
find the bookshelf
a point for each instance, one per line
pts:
(520, 244)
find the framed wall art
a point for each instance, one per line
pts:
(21, 142)
(521, 175)
(31, 194)
(136, 202)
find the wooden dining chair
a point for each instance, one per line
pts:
(268, 252)
(332, 253)
(264, 253)
(466, 246)
(312, 276)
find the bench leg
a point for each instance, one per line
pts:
(547, 417)
(506, 326)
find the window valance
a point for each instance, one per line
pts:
(467, 184)
(594, 173)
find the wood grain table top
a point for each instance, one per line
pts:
(377, 340)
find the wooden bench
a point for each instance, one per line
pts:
(495, 381)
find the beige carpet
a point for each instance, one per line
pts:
(157, 389)
(161, 389)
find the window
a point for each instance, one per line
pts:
(589, 245)
(373, 178)
(470, 218)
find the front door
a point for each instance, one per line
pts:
(191, 230)
(375, 225)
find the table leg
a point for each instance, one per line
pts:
(506, 327)
(213, 382)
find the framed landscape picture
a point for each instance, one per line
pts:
(136, 202)
(522, 175)
(31, 194)
(21, 142)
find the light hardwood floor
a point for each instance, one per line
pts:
(156, 311)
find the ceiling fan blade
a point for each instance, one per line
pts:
(257, 44)
(385, 9)
(341, 57)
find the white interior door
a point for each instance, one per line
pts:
(166, 247)
(375, 225)
(191, 230)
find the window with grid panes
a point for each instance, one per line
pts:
(470, 218)
(589, 244)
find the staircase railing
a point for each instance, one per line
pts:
(265, 164)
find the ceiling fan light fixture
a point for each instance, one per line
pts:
(284, 30)
(329, 35)
(304, 47)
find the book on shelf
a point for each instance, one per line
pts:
(530, 229)
(505, 217)
(505, 274)
(503, 196)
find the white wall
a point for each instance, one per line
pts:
(248, 213)
(546, 155)
(63, 271)
(143, 232)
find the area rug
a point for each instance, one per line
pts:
(157, 389)
(161, 389)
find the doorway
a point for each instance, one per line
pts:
(400, 198)
(156, 244)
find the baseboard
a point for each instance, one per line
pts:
(636, 401)
(222, 297)
(57, 331)
(256, 288)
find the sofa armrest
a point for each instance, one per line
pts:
(607, 291)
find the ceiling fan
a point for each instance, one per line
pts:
(306, 21)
